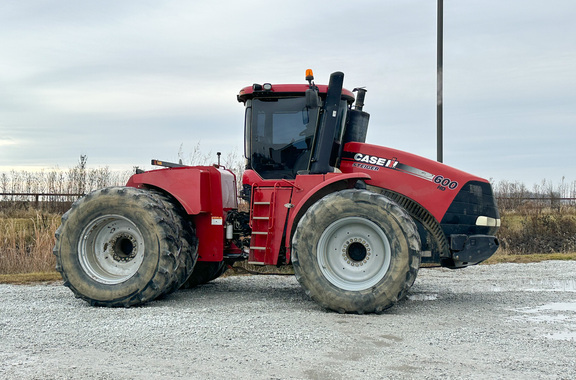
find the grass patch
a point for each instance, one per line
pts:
(30, 278)
(26, 243)
(538, 233)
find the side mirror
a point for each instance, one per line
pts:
(312, 98)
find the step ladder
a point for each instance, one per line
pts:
(262, 222)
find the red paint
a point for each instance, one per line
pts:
(281, 201)
(287, 89)
(199, 191)
(424, 190)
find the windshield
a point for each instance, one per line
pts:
(280, 133)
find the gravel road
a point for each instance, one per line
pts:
(507, 321)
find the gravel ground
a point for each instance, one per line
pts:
(507, 321)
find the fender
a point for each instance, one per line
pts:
(199, 189)
(203, 191)
(307, 188)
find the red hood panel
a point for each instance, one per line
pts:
(432, 184)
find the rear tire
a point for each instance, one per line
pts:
(119, 246)
(189, 242)
(205, 271)
(356, 251)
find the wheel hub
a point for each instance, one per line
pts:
(111, 249)
(353, 253)
(356, 251)
(123, 247)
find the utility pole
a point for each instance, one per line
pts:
(439, 54)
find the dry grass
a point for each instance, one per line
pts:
(27, 227)
(26, 243)
(30, 278)
(546, 232)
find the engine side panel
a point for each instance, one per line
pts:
(432, 184)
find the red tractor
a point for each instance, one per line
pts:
(355, 220)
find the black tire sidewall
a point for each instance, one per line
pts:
(205, 271)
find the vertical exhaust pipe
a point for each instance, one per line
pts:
(320, 162)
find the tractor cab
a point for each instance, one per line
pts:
(295, 129)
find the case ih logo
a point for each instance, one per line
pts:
(368, 162)
(375, 160)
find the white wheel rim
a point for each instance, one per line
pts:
(111, 249)
(353, 253)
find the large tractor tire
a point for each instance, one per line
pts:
(355, 251)
(204, 272)
(189, 242)
(120, 246)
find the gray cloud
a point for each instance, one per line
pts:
(127, 81)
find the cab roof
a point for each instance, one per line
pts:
(282, 90)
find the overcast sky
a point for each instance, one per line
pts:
(126, 81)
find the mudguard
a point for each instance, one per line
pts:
(206, 192)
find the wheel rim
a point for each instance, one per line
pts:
(353, 253)
(111, 249)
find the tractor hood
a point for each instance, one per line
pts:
(433, 185)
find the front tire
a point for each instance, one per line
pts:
(119, 246)
(356, 251)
